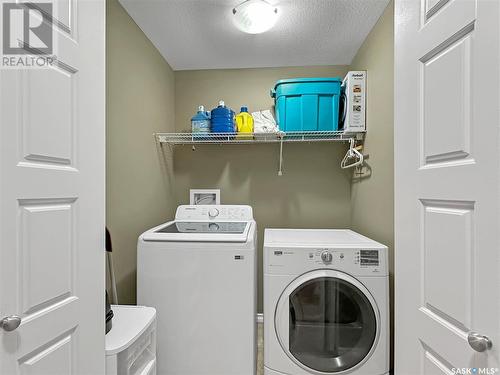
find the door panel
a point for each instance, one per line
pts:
(433, 363)
(46, 232)
(64, 13)
(447, 183)
(52, 199)
(49, 127)
(447, 250)
(55, 358)
(446, 93)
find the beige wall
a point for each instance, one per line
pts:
(372, 198)
(140, 101)
(313, 191)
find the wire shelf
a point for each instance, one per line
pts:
(252, 138)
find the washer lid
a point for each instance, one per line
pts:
(222, 227)
(200, 231)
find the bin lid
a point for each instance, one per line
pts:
(129, 323)
(308, 80)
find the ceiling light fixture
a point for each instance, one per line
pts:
(255, 16)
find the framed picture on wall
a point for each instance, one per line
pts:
(204, 196)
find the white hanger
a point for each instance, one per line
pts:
(352, 154)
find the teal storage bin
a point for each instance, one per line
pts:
(307, 104)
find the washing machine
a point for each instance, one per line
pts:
(326, 303)
(199, 272)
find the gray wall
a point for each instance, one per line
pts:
(140, 101)
(372, 198)
(313, 191)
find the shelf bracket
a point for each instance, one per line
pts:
(280, 170)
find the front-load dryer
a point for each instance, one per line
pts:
(326, 303)
(199, 272)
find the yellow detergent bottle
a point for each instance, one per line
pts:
(244, 124)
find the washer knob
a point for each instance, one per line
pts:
(213, 212)
(326, 257)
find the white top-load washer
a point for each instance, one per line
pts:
(199, 272)
(326, 303)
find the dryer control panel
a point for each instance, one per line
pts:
(356, 261)
(214, 213)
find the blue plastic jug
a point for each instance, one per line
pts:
(200, 123)
(222, 119)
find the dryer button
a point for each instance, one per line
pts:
(326, 257)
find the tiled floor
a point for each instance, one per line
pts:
(260, 349)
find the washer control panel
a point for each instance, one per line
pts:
(214, 212)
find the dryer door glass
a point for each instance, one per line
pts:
(332, 325)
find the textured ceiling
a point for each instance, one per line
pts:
(199, 34)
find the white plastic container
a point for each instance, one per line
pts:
(131, 343)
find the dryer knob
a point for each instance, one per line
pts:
(326, 257)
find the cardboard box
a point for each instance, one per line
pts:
(354, 89)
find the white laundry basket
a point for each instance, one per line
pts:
(131, 343)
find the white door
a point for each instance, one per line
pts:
(52, 138)
(447, 176)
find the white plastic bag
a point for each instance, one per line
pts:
(263, 122)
